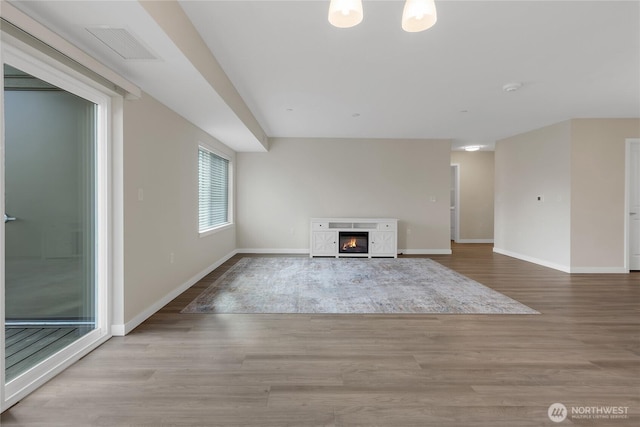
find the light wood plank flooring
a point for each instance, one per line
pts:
(367, 370)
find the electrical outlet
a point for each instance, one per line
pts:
(140, 194)
(172, 258)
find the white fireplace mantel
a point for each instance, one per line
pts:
(382, 236)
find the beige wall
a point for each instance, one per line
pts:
(279, 191)
(476, 194)
(598, 191)
(160, 157)
(529, 165)
(579, 167)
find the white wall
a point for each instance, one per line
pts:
(529, 165)
(160, 158)
(279, 191)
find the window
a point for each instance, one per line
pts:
(213, 190)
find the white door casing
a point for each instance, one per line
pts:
(633, 194)
(455, 202)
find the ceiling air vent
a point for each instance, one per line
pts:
(122, 42)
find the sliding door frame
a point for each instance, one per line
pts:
(28, 59)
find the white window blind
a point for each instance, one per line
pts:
(213, 190)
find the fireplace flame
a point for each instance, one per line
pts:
(353, 243)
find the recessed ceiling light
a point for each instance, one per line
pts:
(512, 87)
(355, 115)
(289, 109)
(464, 111)
(472, 148)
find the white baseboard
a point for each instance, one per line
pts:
(424, 251)
(271, 251)
(544, 263)
(563, 268)
(474, 241)
(599, 270)
(121, 330)
(118, 330)
(306, 251)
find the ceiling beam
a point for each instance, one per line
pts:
(172, 19)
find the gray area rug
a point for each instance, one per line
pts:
(349, 285)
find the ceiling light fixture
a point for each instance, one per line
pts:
(345, 13)
(472, 148)
(512, 87)
(418, 15)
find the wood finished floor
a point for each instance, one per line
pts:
(367, 370)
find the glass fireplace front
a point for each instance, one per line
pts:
(353, 242)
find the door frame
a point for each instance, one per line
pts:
(456, 188)
(29, 59)
(627, 200)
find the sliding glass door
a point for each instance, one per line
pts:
(55, 232)
(49, 219)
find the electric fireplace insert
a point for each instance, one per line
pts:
(353, 242)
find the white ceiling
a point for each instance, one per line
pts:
(301, 77)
